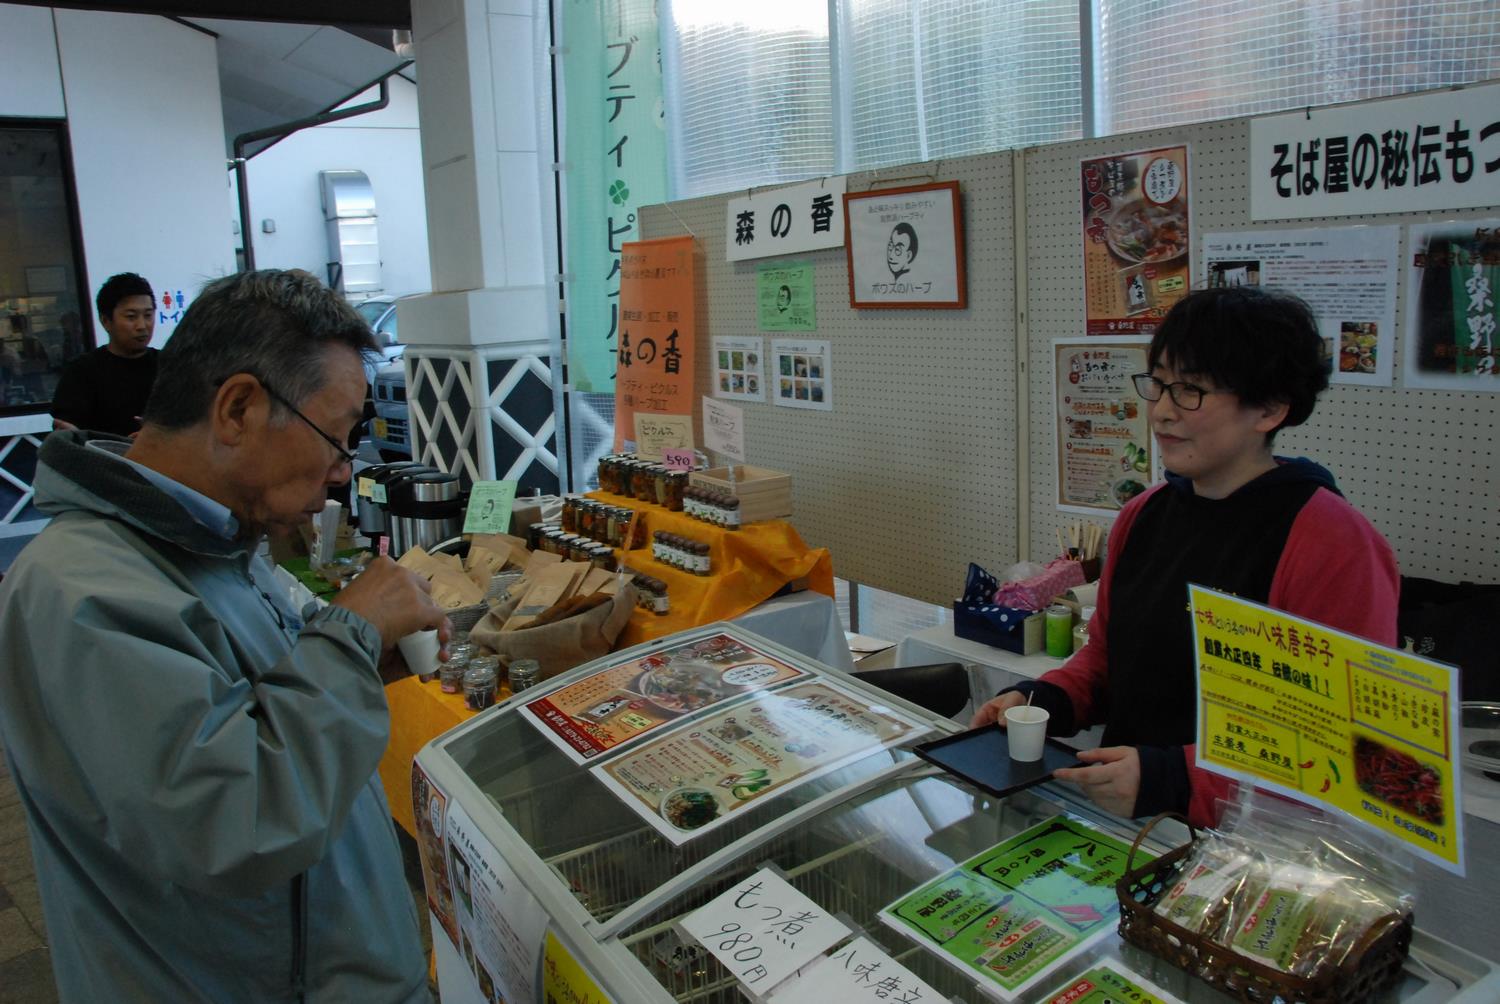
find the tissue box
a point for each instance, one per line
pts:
(1019, 631)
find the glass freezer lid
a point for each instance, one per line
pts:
(854, 860)
(616, 823)
(863, 855)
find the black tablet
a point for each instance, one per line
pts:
(982, 757)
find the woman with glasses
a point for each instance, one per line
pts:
(1229, 368)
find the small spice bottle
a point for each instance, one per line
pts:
(732, 516)
(659, 545)
(480, 680)
(652, 594)
(701, 558)
(712, 509)
(523, 674)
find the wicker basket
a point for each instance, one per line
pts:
(464, 618)
(1373, 964)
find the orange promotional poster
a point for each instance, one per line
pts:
(657, 337)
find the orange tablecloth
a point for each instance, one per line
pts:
(751, 565)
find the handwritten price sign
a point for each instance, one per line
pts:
(656, 433)
(724, 429)
(763, 930)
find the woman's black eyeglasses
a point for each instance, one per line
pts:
(346, 455)
(1187, 396)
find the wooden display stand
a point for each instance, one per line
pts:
(763, 493)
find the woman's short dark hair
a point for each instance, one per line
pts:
(1261, 344)
(276, 325)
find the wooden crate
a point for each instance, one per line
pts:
(763, 493)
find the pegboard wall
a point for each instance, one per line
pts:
(936, 453)
(1420, 464)
(912, 474)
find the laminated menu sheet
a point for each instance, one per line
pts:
(1012, 914)
(623, 703)
(707, 771)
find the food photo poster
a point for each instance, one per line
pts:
(1106, 455)
(1136, 237)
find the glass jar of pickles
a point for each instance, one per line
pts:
(644, 482)
(676, 485)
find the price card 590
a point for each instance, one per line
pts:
(763, 930)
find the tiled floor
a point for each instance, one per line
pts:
(25, 965)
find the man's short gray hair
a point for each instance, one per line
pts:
(274, 324)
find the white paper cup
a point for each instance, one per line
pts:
(1027, 728)
(420, 650)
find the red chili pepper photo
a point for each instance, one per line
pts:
(1399, 780)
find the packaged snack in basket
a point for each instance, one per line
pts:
(1206, 886)
(1273, 920)
(1326, 884)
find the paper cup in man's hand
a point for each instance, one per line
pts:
(420, 650)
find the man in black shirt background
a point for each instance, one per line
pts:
(105, 390)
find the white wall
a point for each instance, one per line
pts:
(28, 54)
(147, 130)
(386, 145)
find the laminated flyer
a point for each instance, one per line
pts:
(565, 980)
(1326, 717)
(1105, 448)
(1014, 912)
(622, 703)
(1104, 984)
(705, 772)
(430, 813)
(500, 923)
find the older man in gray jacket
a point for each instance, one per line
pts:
(197, 765)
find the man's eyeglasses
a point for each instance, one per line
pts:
(1187, 396)
(346, 455)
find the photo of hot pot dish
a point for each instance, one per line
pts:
(1142, 231)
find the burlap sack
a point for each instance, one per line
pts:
(558, 645)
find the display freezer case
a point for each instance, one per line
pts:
(567, 833)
